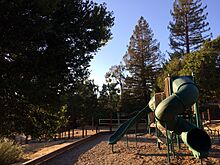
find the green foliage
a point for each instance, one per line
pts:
(109, 98)
(189, 28)
(116, 75)
(9, 152)
(45, 50)
(82, 102)
(205, 65)
(170, 68)
(115, 78)
(44, 121)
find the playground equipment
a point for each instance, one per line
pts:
(183, 94)
(119, 133)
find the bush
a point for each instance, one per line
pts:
(9, 152)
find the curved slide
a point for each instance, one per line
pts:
(119, 133)
(167, 113)
(185, 94)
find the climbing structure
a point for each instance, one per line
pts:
(182, 94)
(169, 114)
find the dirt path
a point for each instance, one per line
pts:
(34, 150)
(70, 157)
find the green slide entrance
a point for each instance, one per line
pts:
(119, 133)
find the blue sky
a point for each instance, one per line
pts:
(127, 13)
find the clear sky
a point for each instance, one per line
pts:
(127, 13)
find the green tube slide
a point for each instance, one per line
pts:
(185, 94)
(119, 133)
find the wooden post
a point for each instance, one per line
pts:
(64, 132)
(59, 135)
(68, 133)
(209, 115)
(96, 129)
(203, 115)
(92, 123)
(167, 88)
(73, 133)
(83, 132)
(218, 137)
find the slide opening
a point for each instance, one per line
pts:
(199, 140)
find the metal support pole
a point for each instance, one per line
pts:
(198, 118)
(136, 134)
(178, 142)
(167, 141)
(126, 139)
(148, 123)
(196, 109)
(158, 145)
(201, 162)
(172, 144)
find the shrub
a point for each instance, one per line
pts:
(9, 152)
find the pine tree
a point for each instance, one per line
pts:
(189, 27)
(141, 62)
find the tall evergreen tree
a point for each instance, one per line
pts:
(189, 28)
(141, 62)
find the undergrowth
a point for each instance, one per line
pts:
(10, 152)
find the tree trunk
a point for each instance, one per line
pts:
(187, 35)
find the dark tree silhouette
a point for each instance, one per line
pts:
(45, 49)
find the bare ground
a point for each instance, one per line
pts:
(34, 150)
(145, 152)
(99, 152)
